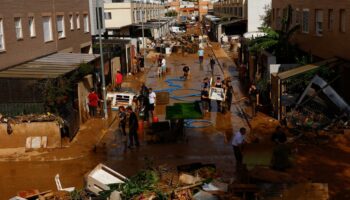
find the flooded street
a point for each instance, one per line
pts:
(206, 145)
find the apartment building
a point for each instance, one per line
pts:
(231, 8)
(34, 28)
(97, 22)
(324, 26)
(125, 13)
(250, 10)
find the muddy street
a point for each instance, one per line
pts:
(206, 145)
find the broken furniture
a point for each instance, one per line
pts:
(59, 185)
(101, 177)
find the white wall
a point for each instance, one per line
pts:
(121, 15)
(256, 10)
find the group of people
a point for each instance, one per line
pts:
(224, 104)
(160, 62)
(142, 107)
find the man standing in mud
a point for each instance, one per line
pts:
(133, 126)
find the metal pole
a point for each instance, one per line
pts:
(143, 30)
(102, 64)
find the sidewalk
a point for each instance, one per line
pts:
(89, 135)
(229, 69)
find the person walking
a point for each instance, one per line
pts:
(118, 80)
(133, 126)
(152, 101)
(253, 95)
(142, 63)
(200, 56)
(205, 99)
(135, 65)
(122, 126)
(238, 141)
(163, 66)
(186, 71)
(93, 103)
(229, 95)
(212, 64)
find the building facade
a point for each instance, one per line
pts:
(97, 6)
(324, 26)
(250, 10)
(231, 8)
(34, 28)
(126, 13)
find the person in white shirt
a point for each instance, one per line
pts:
(152, 100)
(237, 144)
(163, 66)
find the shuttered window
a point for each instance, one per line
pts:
(47, 27)
(2, 39)
(60, 26)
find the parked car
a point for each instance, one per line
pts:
(176, 29)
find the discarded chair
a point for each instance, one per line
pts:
(59, 185)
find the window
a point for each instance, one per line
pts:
(71, 23)
(305, 26)
(342, 21)
(108, 15)
(47, 26)
(2, 40)
(330, 19)
(78, 21)
(31, 24)
(297, 16)
(86, 23)
(60, 26)
(319, 22)
(18, 26)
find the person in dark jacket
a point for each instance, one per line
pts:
(133, 126)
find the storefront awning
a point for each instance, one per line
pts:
(48, 67)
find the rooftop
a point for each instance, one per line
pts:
(51, 66)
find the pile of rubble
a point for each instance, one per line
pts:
(47, 117)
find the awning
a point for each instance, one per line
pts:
(232, 22)
(305, 68)
(48, 67)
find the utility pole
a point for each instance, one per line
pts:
(99, 26)
(143, 30)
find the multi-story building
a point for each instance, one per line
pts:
(250, 10)
(34, 28)
(188, 8)
(231, 8)
(324, 32)
(324, 26)
(97, 22)
(126, 13)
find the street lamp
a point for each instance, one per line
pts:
(99, 26)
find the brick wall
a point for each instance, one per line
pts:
(28, 48)
(332, 42)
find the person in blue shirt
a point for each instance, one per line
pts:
(201, 56)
